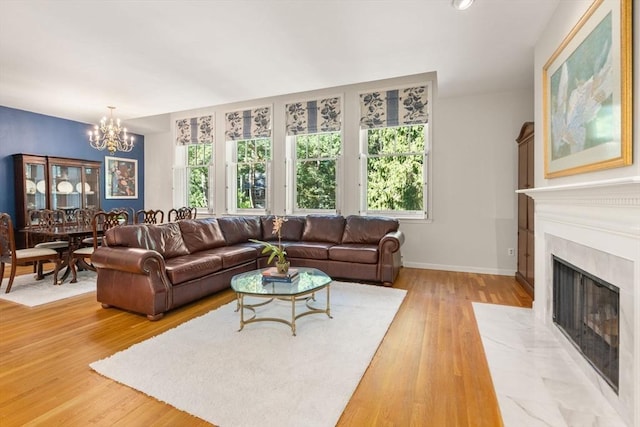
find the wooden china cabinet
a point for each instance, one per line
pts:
(525, 271)
(45, 182)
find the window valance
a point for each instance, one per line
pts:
(324, 115)
(196, 130)
(399, 107)
(248, 124)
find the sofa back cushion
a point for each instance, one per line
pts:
(291, 228)
(239, 229)
(367, 229)
(323, 228)
(201, 234)
(163, 238)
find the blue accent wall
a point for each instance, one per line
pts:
(32, 133)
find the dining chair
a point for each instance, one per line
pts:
(131, 213)
(84, 218)
(149, 217)
(47, 219)
(105, 221)
(181, 213)
(10, 255)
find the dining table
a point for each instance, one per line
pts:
(74, 234)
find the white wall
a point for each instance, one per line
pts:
(474, 183)
(473, 172)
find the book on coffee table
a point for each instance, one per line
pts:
(272, 275)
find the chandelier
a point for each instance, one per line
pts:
(110, 136)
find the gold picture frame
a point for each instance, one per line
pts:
(587, 99)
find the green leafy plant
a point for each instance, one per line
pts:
(276, 251)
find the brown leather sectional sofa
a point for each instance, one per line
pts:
(151, 269)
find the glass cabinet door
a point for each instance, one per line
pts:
(66, 187)
(91, 188)
(35, 185)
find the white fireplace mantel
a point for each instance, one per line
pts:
(602, 215)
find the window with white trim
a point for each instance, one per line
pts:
(251, 160)
(314, 147)
(315, 172)
(193, 177)
(394, 143)
(248, 135)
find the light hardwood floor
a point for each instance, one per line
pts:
(430, 369)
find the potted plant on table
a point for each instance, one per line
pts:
(282, 265)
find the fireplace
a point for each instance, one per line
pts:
(593, 226)
(586, 309)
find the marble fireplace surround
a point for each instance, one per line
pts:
(596, 227)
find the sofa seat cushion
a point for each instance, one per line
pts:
(354, 252)
(234, 255)
(187, 267)
(312, 250)
(367, 229)
(323, 228)
(201, 234)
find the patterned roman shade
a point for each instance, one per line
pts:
(248, 124)
(399, 107)
(324, 115)
(196, 130)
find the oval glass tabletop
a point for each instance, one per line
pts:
(307, 280)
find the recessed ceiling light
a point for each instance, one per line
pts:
(461, 4)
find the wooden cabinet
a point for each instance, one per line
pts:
(525, 271)
(44, 182)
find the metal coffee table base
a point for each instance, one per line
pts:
(306, 297)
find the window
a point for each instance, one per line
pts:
(316, 171)
(193, 176)
(248, 133)
(251, 160)
(395, 170)
(314, 147)
(199, 162)
(394, 147)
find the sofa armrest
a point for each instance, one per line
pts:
(133, 279)
(390, 257)
(391, 242)
(130, 260)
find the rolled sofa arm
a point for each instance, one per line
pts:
(390, 257)
(133, 279)
(130, 260)
(391, 242)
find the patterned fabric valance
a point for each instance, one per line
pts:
(398, 107)
(324, 115)
(196, 130)
(248, 124)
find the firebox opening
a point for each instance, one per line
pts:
(586, 309)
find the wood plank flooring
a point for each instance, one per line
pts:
(430, 370)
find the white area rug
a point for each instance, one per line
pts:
(262, 375)
(26, 290)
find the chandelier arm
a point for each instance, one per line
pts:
(110, 136)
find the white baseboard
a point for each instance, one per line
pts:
(460, 268)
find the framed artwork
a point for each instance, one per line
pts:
(587, 99)
(121, 178)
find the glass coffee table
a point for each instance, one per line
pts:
(301, 289)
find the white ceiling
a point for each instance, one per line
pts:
(72, 58)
